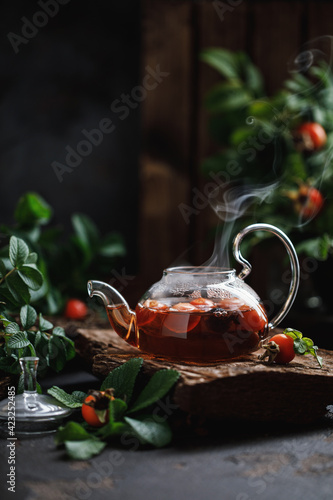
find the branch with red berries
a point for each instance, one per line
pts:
(284, 140)
(283, 347)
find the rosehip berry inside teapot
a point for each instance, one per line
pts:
(198, 314)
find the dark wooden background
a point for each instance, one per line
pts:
(174, 121)
(60, 81)
(65, 78)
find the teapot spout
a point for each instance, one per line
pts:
(121, 316)
(109, 295)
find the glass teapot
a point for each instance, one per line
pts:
(198, 314)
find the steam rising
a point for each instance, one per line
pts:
(313, 52)
(230, 203)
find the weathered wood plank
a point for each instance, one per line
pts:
(219, 25)
(166, 44)
(217, 28)
(244, 388)
(319, 15)
(277, 32)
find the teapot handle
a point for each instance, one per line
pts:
(295, 270)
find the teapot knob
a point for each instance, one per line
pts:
(294, 263)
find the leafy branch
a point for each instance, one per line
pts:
(128, 415)
(31, 335)
(19, 275)
(78, 255)
(303, 345)
(34, 336)
(258, 140)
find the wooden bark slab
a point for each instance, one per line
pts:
(244, 388)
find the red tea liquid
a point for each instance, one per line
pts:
(199, 331)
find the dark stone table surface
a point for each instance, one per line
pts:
(238, 461)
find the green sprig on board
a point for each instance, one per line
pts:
(303, 345)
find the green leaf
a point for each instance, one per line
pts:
(239, 135)
(227, 97)
(58, 330)
(85, 229)
(148, 431)
(18, 288)
(313, 351)
(5, 320)
(157, 387)
(32, 209)
(73, 400)
(224, 61)
(57, 353)
(32, 258)
(308, 341)
(294, 166)
(18, 340)
(36, 295)
(72, 431)
(300, 347)
(87, 235)
(83, 450)
(3, 270)
(18, 251)
(70, 348)
(112, 246)
(40, 341)
(303, 345)
(44, 325)
(122, 379)
(32, 349)
(7, 297)
(10, 364)
(112, 429)
(117, 409)
(80, 395)
(54, 300)
(294, 334)
(253, 77)
(31, 276)
(12, 327)
(28, 316)
(318, 247)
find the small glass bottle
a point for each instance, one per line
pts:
(30, 412)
